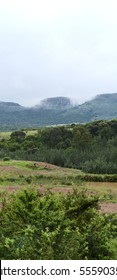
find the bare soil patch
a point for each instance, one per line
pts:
(104, 207)
(108, 207)
(47, 165)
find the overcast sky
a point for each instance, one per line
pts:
(54, 48)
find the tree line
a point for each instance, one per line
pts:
(91, 147)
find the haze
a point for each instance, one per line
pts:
(57, 48)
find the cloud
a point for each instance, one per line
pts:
(50, 48)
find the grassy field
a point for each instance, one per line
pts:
(20, 174)
(6, 134)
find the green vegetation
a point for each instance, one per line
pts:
(63, 176)
(53, 226)
(54, 111)
(21, 174)
(91, 147)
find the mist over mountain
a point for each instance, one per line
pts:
(57, 110)
(55, 103)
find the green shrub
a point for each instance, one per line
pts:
(10, 179)
(6, 159)
(53, 226)
(1, 179)
(29, 179)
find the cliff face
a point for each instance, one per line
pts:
(56, 103)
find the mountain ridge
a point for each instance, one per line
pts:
(57, 110)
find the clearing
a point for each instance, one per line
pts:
(17, 174)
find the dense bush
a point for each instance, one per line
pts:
(6, 158)
(54, 226)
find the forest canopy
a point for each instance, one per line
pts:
(90, 147)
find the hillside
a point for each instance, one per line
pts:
(58, 110)
(10, 107)
(17, 175)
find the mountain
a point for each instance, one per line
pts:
(10, 107)
(103, 106)
(56, 103)
(58, 110)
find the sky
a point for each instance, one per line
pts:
(52, 48)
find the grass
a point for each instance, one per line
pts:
(6, 135)
(25, 173)
(31, 132)
(106, 190)
(19, 164)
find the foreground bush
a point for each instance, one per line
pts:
(54, 226)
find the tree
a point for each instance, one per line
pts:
(18, 136)
(51, 137)
(81, 137)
